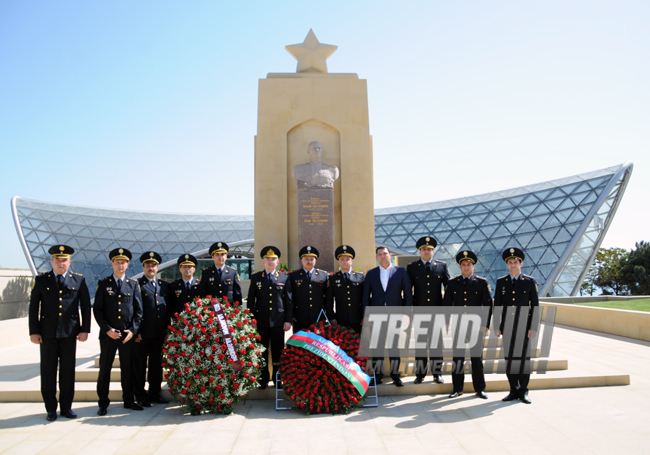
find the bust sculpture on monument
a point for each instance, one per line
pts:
(315, 174)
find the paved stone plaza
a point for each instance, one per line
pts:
(583, 420)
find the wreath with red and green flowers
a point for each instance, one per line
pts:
(312, 383)
(202, 374)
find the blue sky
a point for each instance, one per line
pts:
(152, 104)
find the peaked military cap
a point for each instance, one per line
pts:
(187, 259)
(309, 251)
(513, 253)
(218, 247)
(270, 252)
(61, 251)
(150, 256)
(426, 241)
(344, 250)
(466, 254)
(120, 253)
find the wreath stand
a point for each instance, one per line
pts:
(370, 399)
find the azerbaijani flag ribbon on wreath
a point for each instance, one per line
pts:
(333, 354)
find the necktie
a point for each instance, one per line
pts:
(59, 280)
(346, 276)
(153, 283)
(308, 276)
(219, 273)
(427, 266)
(119, 285)
(466, 281)
(187, 286)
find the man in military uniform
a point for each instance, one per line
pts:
(118, 312)
(54, 324)
(345, 287)
(268, 289)
(428, 278)
(308, 286)
(517, 293)
(218, 280)
(463, 291)
(152, 332)
(184, 289)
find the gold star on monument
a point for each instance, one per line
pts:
(311, 54)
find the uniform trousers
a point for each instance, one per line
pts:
(275, 337)
(108, 348)
(378, 367)
(297, 327)
(61, 353)
(458, 374)
(148, 352)
(518, 368)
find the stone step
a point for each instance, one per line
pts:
(491, 353)
(29, 391)
(407, 366)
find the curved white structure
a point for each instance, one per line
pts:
(559, 224)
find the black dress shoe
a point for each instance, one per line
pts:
(158, 399)
(144, 403)
(398, 382)
(513, 395)
(51, 416)
(264, 385)
(133, 407)
(102, 411)
(524, 398)
(455, 394)
(278, 385)
(69, 414)
(372, 382)
(418, 380)
(437, 378)
(481, 394)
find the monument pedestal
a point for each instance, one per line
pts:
(316, 223)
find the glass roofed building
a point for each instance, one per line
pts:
(559, 224)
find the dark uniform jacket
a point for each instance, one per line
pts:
(427, 287)
(308, 296)
(227, 286)
(178, 295)
(155, 311)
(477, 293)
(269, 296)
(522, 294)
(347, 294)
(120, 311)
(397, 293)
(54, 312)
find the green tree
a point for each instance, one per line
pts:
(635, 269)
(608, 270)
(589, 286)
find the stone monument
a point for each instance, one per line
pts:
(330, 197)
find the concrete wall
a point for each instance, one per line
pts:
(15, 287)
(625, 323)
(14, 332)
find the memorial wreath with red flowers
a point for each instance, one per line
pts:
(203, 376)
(312, 383)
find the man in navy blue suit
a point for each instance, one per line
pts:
(387, 285)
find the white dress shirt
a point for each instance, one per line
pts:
(384, 275)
